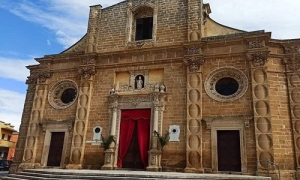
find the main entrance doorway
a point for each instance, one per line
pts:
(56, 147)
(229, 153)
(134, 138)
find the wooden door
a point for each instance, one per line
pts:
(229, 152)
(132, 159)
(56, 147)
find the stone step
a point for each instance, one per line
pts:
(123, 174)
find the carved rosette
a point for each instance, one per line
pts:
(256, 44)
(194, 63)
(86, 72)
(258, 59)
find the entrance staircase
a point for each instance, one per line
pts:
(121, 174)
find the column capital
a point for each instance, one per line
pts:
(258, 58)
(86, 72)
(194, 63)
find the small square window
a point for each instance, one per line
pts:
(3, 136)
(8, 137)
(144, 27)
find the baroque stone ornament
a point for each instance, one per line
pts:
(293, 62)
(88, 61)
(194, 63)
(194, 50)
(257, 44)
(291, 49)
(38, 77)
(86, 72)
(222, 73)
(258, 59)
(63, 94)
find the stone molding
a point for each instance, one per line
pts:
(69, 123)
(209, 119)
(55, 92)
(214, 76)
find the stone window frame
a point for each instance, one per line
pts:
(142, 10)
(223, 72)
(56, 91)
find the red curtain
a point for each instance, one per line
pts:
(126, 130)
(128, 118)
(143, 126)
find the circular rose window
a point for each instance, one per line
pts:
(63, 94)
(226, 84)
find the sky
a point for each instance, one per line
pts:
(31, 29)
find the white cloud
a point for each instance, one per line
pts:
(15, 68)
(11, 107)
(276, 16)
(67, 19)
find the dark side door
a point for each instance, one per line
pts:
(229, 152)
(56, 147)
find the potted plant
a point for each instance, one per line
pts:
(107, 141)
(162, 139)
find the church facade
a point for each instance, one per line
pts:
(228, 99)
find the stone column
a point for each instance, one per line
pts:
(194, 19)
(40, 76)
(32, 112)
(110, 161)
(87, 71)
(154, 160)
(193, 60)
(257, 55)
(292, 62)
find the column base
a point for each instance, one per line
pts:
(74, 166)
(154, 163)
(109, 160)
(193, 170)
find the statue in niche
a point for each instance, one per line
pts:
(139, 82)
